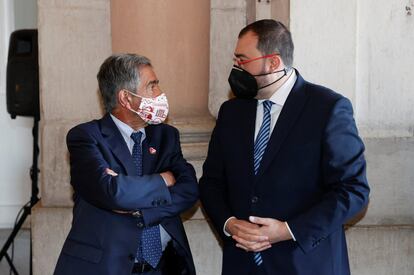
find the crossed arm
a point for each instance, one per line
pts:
(174, 190)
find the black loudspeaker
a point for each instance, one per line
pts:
(23, 74)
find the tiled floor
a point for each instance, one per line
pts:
(21, 252)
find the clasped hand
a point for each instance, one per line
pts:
(257, 234)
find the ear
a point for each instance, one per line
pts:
(275, 62)
(124, 99)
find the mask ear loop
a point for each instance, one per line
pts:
(285, 71)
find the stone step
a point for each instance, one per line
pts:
(194, 150)
(193, 129)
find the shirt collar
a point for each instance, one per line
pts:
(279, 97)
(125, 129)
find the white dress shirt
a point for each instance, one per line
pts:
(126, 132)
(278, 98)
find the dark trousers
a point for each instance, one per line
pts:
(170, 264)
(258, 270)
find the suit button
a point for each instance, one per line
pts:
(255, 199)
(140, 225)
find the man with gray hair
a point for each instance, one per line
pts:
(130, 181)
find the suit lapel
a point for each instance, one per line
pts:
(247, 120)
(287, 118)
(150, 149)
(117, 144)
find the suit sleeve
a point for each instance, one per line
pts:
(213, 189)
(92, 183)
(343, 176)
(183, 194)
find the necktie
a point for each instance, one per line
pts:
(149, 249)
(259, 149)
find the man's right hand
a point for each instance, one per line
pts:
(169, 178)
(247, 235)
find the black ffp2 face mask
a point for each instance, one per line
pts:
(244, 85)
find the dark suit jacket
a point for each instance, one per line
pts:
(312, 175)
(103, 242)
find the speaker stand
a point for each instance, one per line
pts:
(34, 171)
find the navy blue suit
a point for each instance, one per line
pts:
(312, 175)
(104, 242)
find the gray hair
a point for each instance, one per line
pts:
(273, 37)
(119, 71)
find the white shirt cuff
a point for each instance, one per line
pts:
(165, 181)
(224, 227)
(290, 231)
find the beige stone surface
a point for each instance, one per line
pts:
(226, 22)
(385, 98)
(391, 178)
(228, 4)
(74, 4)
(193, 128)
(71, 49)
(175, 36)
(280, 10)
(198, 166)
(50, 227)
(54, 177)
(325, 53)
(204, 246)
(194, 151)
(381, 250)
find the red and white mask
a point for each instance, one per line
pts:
(152, 110)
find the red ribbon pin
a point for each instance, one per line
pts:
(152, 151)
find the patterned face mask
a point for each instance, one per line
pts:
(152, 110)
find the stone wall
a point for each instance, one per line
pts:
(175, 36)
(363, 50)
(227, 19)
(72, 47)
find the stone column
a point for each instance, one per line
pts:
(228, 17)
(74, 39)
(165, 31)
